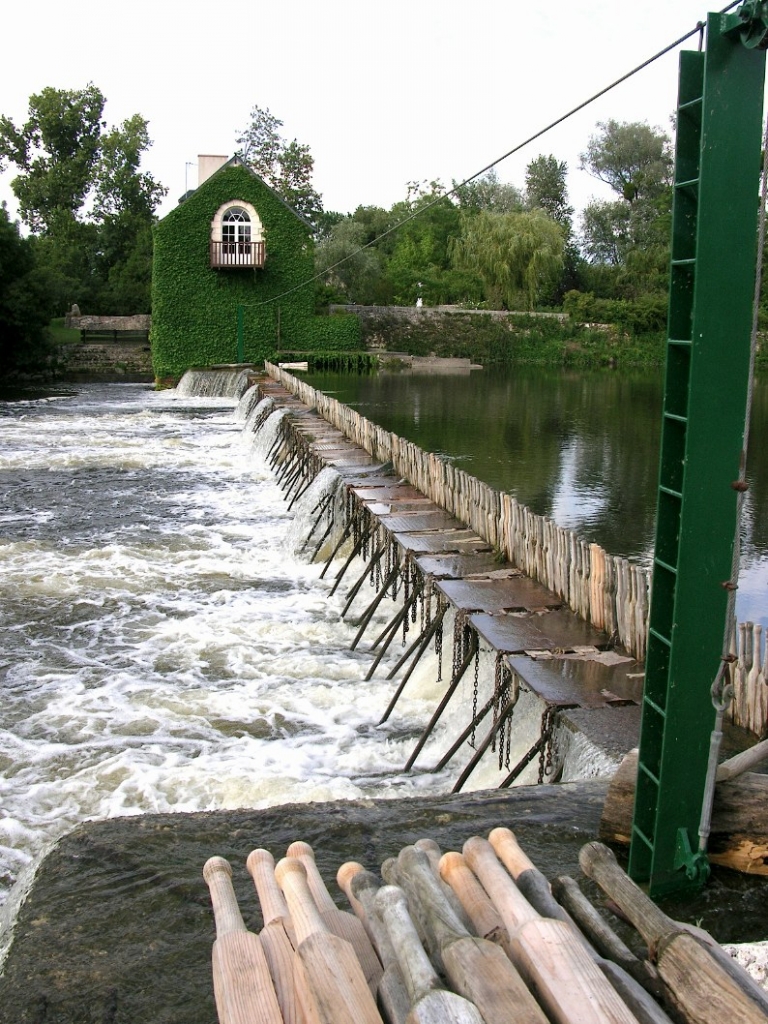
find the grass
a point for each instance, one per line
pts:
(62, 335)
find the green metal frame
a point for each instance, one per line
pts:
(714, 231)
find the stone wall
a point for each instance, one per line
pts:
(484, 335)
(110, 361)
(139, 322)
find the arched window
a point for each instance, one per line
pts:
(237, 236)
(236, 232)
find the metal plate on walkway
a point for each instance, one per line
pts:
(515, 594)
(420, 521)
(392, 492)
(457, 566)
(442, 541)
(589, 684)
(550, 631)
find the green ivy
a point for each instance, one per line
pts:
(194, 307)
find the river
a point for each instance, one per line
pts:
(580, 447)
(164, 647)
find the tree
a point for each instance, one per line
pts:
(419, 263)
(82, 194)
(517, 255)
(634, 159)
(285, 166)
(25, 307)
(56, 151)
(546, 189)
(358, 270)
(488, 193)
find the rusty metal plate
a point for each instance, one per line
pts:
(457, 566)
(515, 594)
(390, 492)
(460, 541)
(420, 521)
(551, 631)
(510, 634)
(590, 684)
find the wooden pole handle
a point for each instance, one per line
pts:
(344, 877)
(217, 873)
(304, 853)
(261, 867)
(484, 916)
(418, 973)
(599, 863)
(291, 876)
(420, 883)
(509, 852)
(514, 909)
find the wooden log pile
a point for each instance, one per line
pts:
(471, 937)
(610, 592)
(739, 833)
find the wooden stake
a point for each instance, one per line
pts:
(337, 921)
(703, 986)
(242, 984)
(429, 1003)
(330, 985)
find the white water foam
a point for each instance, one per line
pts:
(165, 648)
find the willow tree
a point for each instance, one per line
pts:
(518, 256)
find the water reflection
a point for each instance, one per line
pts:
(579, 447)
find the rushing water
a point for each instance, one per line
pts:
(164, 647)
(579, 447)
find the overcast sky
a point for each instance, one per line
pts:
(383, 94)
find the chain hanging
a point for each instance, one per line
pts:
(547, 736)
(439, 644)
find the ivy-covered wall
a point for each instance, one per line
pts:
(194, 307)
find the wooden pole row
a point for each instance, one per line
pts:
(608, 591)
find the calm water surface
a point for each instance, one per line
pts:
(579, 447)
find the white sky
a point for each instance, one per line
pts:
(382, 93)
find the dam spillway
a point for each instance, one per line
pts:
(510, 634)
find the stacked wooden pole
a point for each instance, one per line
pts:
(478, 937)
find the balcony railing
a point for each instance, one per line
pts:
(237, 254)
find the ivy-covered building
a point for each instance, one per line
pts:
(231, 277)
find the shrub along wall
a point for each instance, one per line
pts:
(194, 307)
(497, 337)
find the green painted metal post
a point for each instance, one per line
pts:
(241, 334)
(714, 230)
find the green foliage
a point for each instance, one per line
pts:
(517, 255)
(542, 339)
(489, 194)
(285, 166)
(634, 159)
(24, 306)
(546, 189)
(194, 307)
(349, 269)
(82, 194)
(645, 315)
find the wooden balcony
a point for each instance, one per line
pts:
(234, 255)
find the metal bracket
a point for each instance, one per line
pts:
(749, 24)
(695, 863)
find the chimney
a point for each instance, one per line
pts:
(208, 165)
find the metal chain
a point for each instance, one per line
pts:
(439, 644)
(545, 753)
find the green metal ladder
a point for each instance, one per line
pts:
(714, 229)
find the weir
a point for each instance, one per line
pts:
(547, 631)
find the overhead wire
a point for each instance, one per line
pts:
(488, 167)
